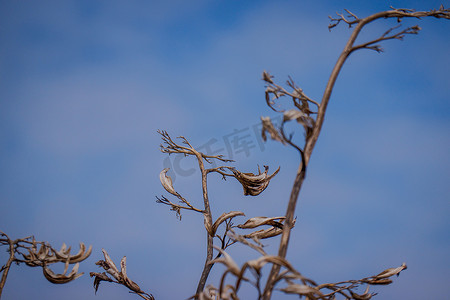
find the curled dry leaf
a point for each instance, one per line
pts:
(99, 277)
(303, 290)
(277, 260)
(166, 182)
(391, 272)
(383, 277)
(46, 255)
(43, 252)
(252, 184)
(259, 221)
(61, 278)
(64, 253)
(378, 281)
(209, 293)
(301, 117)
(128, 282)
(223, 218)
(120, 277)
(258, 263)
(266, 233)
(109, 266)
(229, 293)
(267, 126)
(365, 296)
(37, 258)
(241, 239)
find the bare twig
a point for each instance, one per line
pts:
(169, 146)
(275, 91)
(176, 207)
(372, 45)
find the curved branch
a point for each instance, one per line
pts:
(7, 266)
(312, 139)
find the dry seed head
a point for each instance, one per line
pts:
(166, 182)
(259, 221)
(252, 184)
(61, 278)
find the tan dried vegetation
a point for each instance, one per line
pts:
(283, 277)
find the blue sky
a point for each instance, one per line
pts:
(85, 85)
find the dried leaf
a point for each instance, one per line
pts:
(61, 278)
(365, 296)
(252, 184)
(292, 114)
(223, 218)
(209, 293)
(304, 290)
(391, 272)
(266, 233)
(259, 221)
(82, 254)
(302, 118)
(99, 277)
(166, 182)
(239, 238)
(128, 282)
(229, 293)
(267, 126)
(109, 266)
(43, 252)
(378, 281)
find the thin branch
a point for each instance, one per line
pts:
(176, 207)
(352, 19)
(239, 238)
(170, 146)
(398, 36)
(221, 171)
(289, 140)
(7, 266)
(275, 91)
(225, 240)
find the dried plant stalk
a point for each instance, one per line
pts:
(312, 133)
(42, 257)
(294, 282)
(118, 277)
(253, 185)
